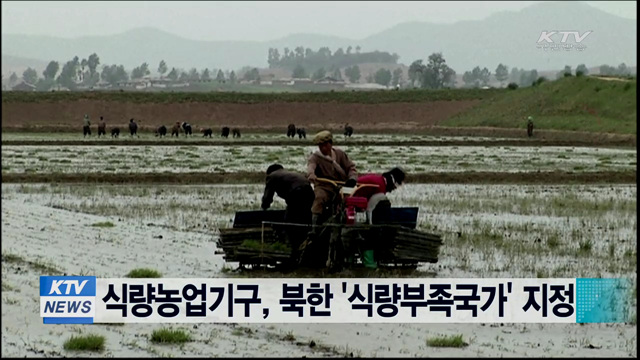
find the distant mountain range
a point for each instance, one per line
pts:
(506, 37)
(19, 64)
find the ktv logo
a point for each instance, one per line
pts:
(551, 40)
(546, 36)
(67, 299)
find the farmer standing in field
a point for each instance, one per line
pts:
(530, 126)
(296, 190)
(133, 127)
(102, 127)
(86, 129)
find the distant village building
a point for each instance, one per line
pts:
(24, 86)
(135, 83)
(367, 86)
(160, 83)
(330, 80)
(180, 85)
(59, 87)
(202, 81)
(297, 81)
(283, 81)
(102, 85)
(267, 76)
(125, 84)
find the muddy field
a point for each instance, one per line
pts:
(429, 136)
(488, 231)
(40, 139)
(573, 214)
(198, 164)
(212, 160)
(407, 118)
(193, 178)
(254, 116)
(266, 139)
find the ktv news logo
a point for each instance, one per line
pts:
(68, 299)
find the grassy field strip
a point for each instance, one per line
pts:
(571, 103)
(172, 159)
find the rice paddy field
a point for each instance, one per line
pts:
(229, 159)
(490, 230)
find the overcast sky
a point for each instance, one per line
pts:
(248, 20)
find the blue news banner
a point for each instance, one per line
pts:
(89, 300)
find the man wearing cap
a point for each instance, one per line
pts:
(331, 163)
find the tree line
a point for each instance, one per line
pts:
(434, 74)
(324, 58)
(75, 73)
(621, 70)
(176, 75)
(521, 77)
(482, 77)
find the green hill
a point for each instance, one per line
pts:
(571, 103)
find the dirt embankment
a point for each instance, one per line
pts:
(393, 116)
(553, 177)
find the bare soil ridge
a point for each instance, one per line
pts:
(555, 177)
(590, 142)
(69, 115)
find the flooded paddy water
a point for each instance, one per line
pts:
(489, 231)
(67, 159)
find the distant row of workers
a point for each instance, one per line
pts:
(160, 131)
(186, 128)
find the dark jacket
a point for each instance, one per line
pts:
(282, 182)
